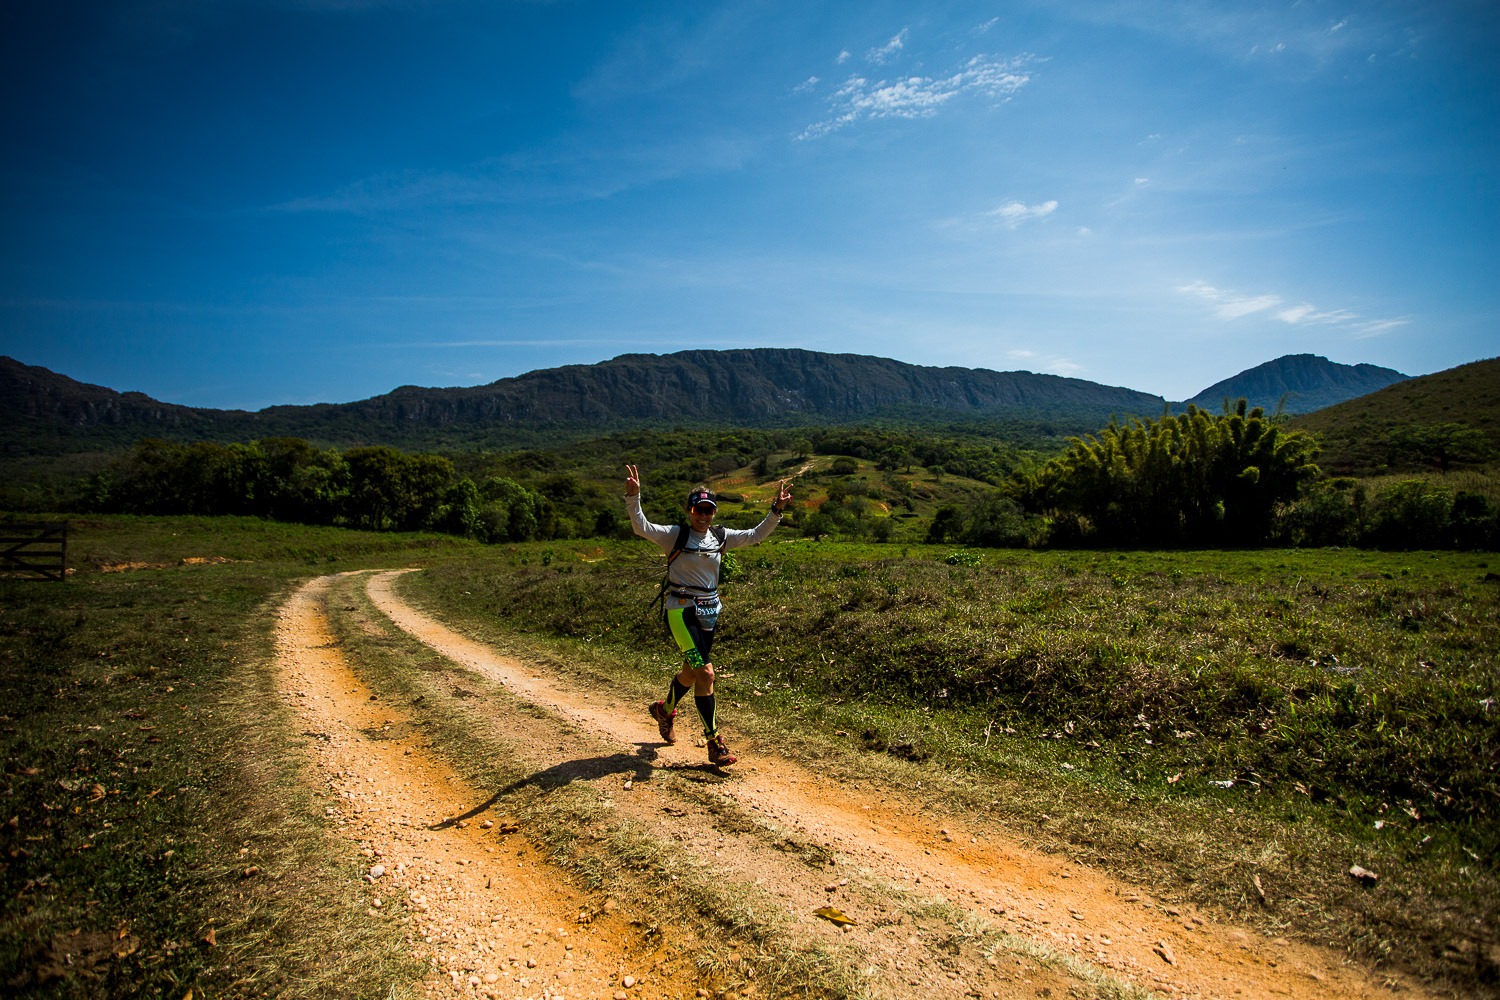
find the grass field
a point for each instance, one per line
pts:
(145, 771)
(1240, 727)
(1094, 703)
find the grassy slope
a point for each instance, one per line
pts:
(1354, 434)
(145, 770)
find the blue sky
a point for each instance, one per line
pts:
(239, 204)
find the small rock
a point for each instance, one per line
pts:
(492, 977)
(377, 870)
(628, 982)
(1363, 875)
(531, 963)
(621, 995)
(1165, 951)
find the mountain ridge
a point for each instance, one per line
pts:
(749, 387)
(1298, 383)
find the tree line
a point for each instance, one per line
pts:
(1194, 479)
(376, 488)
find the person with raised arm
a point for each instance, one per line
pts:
(690, 597)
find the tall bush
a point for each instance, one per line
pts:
(1193, 479)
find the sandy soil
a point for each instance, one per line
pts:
(490, 917)
(478, 914)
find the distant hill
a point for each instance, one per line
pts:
(45, 413)
(757, 388)
(1406, 425)
(1297, 383)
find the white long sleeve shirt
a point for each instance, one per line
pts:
(695, 571)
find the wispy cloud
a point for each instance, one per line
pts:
(889, 49)
(1295, 34)
(1012, 214)
(860, 99)
(1230, 305)
(563, 173)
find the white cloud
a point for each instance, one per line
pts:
(986, 26)
(890, 48)
(1012, 214)
(1308, 313)
(806, 85)
(1376, 327)
(1229, 305)
(860, 99)
(844, 56)
(1052, 365)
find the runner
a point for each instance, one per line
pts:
(691, 597)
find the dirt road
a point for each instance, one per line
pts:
(498, 924)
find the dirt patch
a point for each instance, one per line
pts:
(940, 908)
(127, 567)
(490, 917)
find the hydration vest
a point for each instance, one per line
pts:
(678, 547)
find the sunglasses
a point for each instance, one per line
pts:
(704, 508)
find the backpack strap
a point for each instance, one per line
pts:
(681, 542)
(678, 545)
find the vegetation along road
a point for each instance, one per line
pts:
(933, 903)
(248, 759)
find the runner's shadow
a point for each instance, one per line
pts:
(638, 765)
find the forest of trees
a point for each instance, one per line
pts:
(376, 488)
(1191, 480)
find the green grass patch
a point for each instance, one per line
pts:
(1207, 721)
(145, 773)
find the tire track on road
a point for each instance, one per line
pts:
(901, 854)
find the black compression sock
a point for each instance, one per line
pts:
(705, 704)
(678, 692)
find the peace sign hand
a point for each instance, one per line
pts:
(632, 481)
(783, 496)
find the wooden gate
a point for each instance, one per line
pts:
(34, 550)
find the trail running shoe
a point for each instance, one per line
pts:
(664, 720)
(718, 753)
